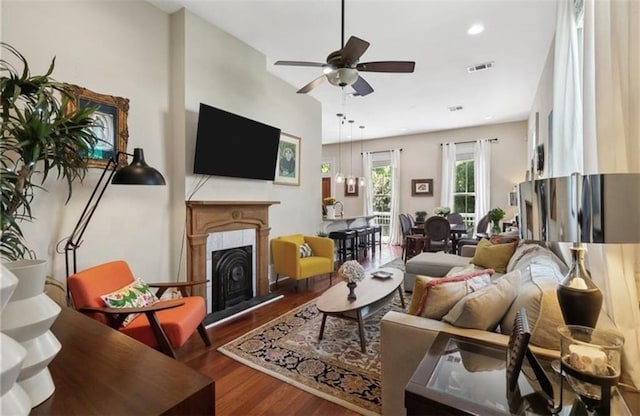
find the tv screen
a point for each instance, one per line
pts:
(231, 145)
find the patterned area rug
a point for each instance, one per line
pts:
(335, 368)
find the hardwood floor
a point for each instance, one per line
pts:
(241, 390)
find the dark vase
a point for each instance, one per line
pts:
(352, 293)
(580, 305)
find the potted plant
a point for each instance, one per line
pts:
(495, 216)
(421, 216)
(39, 135)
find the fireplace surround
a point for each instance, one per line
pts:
(204, 217)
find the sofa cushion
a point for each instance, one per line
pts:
(494, 256)
(433, 297)
(484, 308)
(434, 264)
(526, 251)
(538, 296)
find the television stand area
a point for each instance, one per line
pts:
(100, 370)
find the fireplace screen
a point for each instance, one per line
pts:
(232, 277)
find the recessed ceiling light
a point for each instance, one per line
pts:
(475, 29)
(488, 117)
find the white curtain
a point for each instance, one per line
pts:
(395, 232)
(612, 145)
(567, 96)
(448, 174)
(368, 185)
(482, 175)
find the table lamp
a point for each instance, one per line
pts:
(136, 173)
(599, 208)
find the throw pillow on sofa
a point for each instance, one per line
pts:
(493, 256)
(433, 297)
(484, 308)
(538, 296)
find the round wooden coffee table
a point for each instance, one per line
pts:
(372, 293)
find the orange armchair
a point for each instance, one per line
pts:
(285, 251)
(164, 325)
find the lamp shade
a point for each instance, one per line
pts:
(341, 77)
(138, 172)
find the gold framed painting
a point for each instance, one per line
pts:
(110, 124)
(288, 163)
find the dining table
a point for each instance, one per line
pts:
(456, 231)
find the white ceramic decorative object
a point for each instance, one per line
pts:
(331, 212)
(13, 399)
(27, 319)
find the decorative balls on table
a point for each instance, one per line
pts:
(351, 271)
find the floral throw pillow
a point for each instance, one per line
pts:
(134, 295)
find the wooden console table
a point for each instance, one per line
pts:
(101, 371)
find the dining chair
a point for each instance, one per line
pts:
(455, 218)
(481, 231)
(437, 232)
(412, 244)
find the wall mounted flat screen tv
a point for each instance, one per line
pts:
(228, 144)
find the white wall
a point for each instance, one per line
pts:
(421, 159)
(542, 104)
(101, 46)
(165, 65)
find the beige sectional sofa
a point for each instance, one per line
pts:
(406, 338)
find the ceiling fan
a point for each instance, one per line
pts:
(343, 67)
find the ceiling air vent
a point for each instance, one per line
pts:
(481, 67)
(455, 108)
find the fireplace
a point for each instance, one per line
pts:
(231, 277)
(208, 217)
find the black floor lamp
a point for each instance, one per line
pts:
(136, 173)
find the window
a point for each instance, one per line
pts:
(381, 190)
(464, 196)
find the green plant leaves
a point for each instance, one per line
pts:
(38, 133)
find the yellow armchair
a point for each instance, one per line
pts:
(285, 252)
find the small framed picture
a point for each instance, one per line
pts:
(421, 187)
(109, 124)
(350, 189)
(288, 163)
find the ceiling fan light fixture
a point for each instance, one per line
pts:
(342, 77)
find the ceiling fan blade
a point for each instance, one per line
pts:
(353, 50)
(298, 63)
(387, 66)
(362, 87)
(312, 84)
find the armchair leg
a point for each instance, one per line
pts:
(204, 335)
(277, 275)
(163, 342)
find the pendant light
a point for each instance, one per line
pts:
(361, 178)
(339, 178)
(351, 180)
